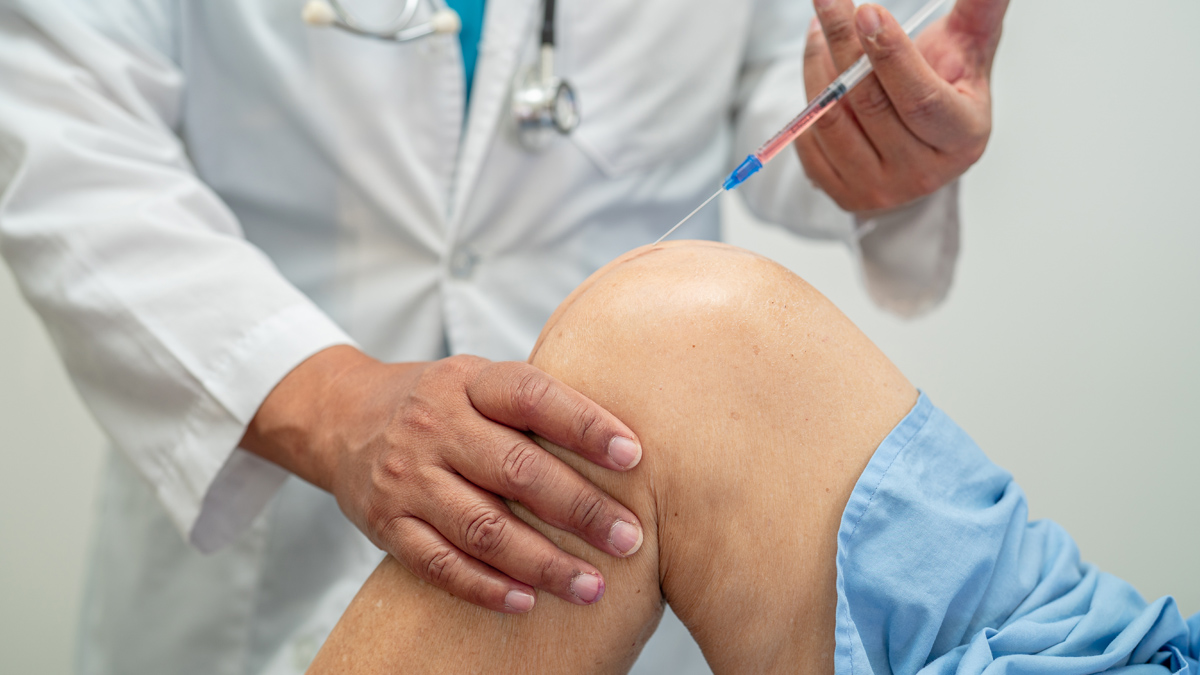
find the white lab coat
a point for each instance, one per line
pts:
(199, 194)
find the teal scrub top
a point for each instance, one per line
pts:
(471, 13)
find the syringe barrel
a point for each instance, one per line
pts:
(799, 124)
(820, 105)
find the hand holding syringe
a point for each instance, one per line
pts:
(820, 105)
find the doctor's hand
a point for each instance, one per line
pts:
(916, 124)
(422, 455)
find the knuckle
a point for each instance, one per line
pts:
(547, 567)
(586, 419)
(395, 468)
(530, 393)
(384, 526)
(873, 101)
(524, 466)
(831, 119)
(419, 418)
(435, 564)
(587, 510)
(379, 518)
(464, 364)
(841, 32)
(485, 534)
(883, 52)
(459, 370)
(924, 106)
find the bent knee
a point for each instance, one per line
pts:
(701, 333)
(654, 289)
(691, 306)
(757, 403)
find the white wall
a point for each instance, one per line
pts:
(50, 452)
(1070, 347)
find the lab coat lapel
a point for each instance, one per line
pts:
(507, 31)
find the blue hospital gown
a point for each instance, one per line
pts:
(939, 571)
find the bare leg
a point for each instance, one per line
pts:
(758, 405)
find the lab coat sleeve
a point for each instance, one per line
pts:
(906, 255)
(172, 326)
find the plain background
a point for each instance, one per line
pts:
(1069, 347)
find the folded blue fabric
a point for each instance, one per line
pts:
(939, 571)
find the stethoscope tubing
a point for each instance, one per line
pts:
(395, 27)
(397, 30)
(540, 100)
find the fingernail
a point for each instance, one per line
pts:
(815, 25)
(587, 587)
(823, 4)
(625, 537)
(519, 601)
(868, 22)
(624, 452)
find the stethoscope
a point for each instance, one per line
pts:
(543, 104)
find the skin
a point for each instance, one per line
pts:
(758, 403)
(421, 455)
(919, 121)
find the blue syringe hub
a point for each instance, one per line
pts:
(745, 170)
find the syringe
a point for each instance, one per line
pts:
(820, 105)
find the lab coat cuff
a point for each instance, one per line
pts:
(212, 489)
(907, 256)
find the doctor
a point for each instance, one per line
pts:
(257, 243)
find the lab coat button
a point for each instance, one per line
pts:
(462, 263)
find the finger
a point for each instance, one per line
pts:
(980, 20)
(837, 22)
(482, 527)
(865, 129)
(844, 145)
(876, 121)
(553, 491)
(523, 397)
(820, 171)
(819, 70)
(905, 91)
(436, 561)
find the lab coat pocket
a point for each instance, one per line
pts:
(654, 79)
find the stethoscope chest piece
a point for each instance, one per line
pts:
(544, 105)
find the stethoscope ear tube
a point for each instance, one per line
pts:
(543, 105)
(331, 13)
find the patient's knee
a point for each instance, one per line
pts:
(758, 404)
(703, 336)
(657, 297)
(699, 307)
